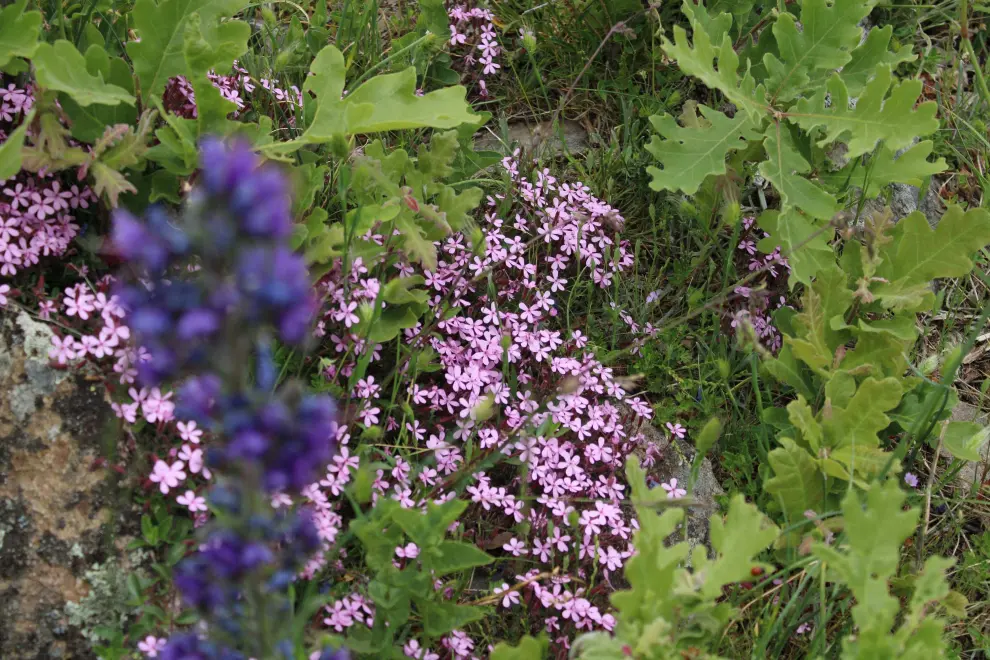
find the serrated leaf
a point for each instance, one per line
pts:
(911, 167)
(688, 155)
(803, 241)
(797, 483)
(919, 253)
(815, 341)
(800, 414)
(88, 123)
(712, 60)
(109, 183)
(161, 27)
(744, 533)
(827, 34)
(859, 422)
(783, 167)
(202, 56)
(19, 31)
(415, 242)
(965, 440)
(62, 68)
(865, 58)
(384, 103)
(875, 117)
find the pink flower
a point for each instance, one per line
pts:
(673, 492)
(4, 290)
(509, 598)
(167, 476)
(64, 349)
(190, 500)
(411, 551)
(677, 430)
(456, 37)
(516, 547)
(151, 646)
(188, 432)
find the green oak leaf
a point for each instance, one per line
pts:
(815, 341)
(919, 253)
(87, 124)
(868, 561)
(386, 102)
(60, 67)
(797, 482)
(19, 32)
(858, 423)
(802, 240)
(161, 26)
(894, 119)
(783, 167)
(870, 54)
(827, 34)
(885, 167)
(689, 154)
(699, 59)
(737, 539)
(202, 56)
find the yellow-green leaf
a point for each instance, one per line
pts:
(60, 67)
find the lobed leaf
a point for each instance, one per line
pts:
(19, 31)
(689, 154)
(894, 119)
(161, 26)
(62, 68)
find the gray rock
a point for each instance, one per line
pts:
(674, 462)
(52, 512)
(538, 138)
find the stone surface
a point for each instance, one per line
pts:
(674, 462)
(537, 139)
(971, 472)
(52, 504)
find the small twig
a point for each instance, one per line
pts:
(923, 528)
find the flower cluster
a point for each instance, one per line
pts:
(510, 383)
(37, 211)
(756, 303)
(472, 33)
(209, 288)
(239, 88)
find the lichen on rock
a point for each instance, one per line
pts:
(54, 522)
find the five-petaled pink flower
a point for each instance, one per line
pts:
(509, 597)
(677, 430)
(673, 491)
(516, 547)
(193, 502)
(151, 645)
(168, 476)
